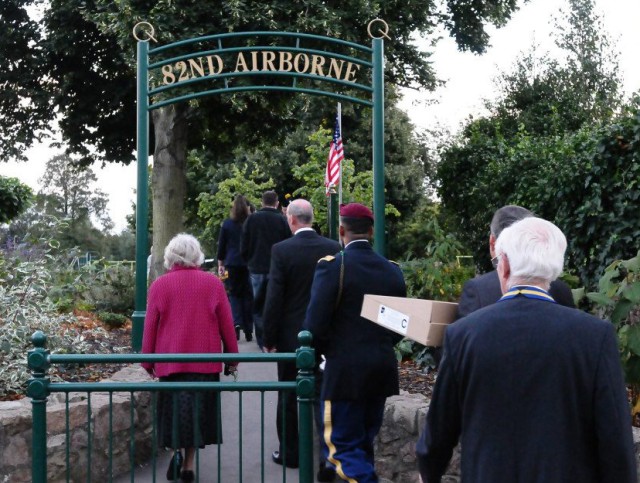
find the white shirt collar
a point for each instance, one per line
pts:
(306, 228)
(356, 241)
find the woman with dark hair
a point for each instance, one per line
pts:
(231, 262)
(187, 313)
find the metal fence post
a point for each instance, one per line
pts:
(38, 390)
(142, 206)
(379, 241)
(305, 389)
(333, 215)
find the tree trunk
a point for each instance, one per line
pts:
(168, 180)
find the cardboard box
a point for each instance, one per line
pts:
(421, 320)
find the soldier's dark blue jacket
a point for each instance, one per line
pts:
(360, 359)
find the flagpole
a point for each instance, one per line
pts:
(340, 127)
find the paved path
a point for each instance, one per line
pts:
(236, 467)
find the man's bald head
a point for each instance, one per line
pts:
(302, 211)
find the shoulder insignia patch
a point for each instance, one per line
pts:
(395, 263)
(328, 258)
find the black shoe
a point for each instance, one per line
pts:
(248, 336)
(277, 459)
(237, 332)
(326, 473)
(173, 472)
(187, 476)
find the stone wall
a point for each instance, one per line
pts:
(15, 433)
(395, 456)
(404, 418)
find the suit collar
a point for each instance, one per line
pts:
(306, 234)
(358, 245)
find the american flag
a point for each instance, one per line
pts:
(336, 155)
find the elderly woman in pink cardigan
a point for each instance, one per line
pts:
(187, 312)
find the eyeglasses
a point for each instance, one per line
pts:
(495, 261)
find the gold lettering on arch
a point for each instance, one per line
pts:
(317, 61)
(267, 60)
(296, 63)
(220, 64)
(262, 60)
(240, 62)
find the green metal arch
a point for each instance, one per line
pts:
(228, 50)
(261, 33)
(229, 90)
(143, 109)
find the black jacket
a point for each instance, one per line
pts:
(361, 363)
(293, 263)
(261, 231)
(536, 394)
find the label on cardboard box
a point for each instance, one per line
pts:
(421, 320)
(393, 319)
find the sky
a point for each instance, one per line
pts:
(470, 77)
(469, 80)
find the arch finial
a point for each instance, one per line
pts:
(148, 30)
(383, 31)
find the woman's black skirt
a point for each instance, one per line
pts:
(189, 419)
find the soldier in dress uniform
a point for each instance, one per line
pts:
(361, 370)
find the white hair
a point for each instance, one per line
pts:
(535, 249)
(183, 249)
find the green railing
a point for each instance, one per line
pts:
(40, 388)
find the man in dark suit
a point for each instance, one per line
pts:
(260, 232)
(485, 289)
(534, 389)
(361, 369)
(293, 263)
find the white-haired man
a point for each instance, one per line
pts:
(293, 265)
(535, 388)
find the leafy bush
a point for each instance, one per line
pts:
(586, 182)
(443, 271)
(24, 308)
(28, 277)
(618, 299)
(112, 320)
(439, 276)
(94, 286)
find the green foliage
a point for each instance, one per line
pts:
(112, 320)
(585, 182)
(356, 186)
(551, 144)
(24, 103)
(94, 286)
(618, 299)
(15, 198)
(30, 278)
(443, 271)
(26, 307)
(422, 356)
(214, 207)
(438, 276)
(416, 231)
(71, 193)
(86, 73)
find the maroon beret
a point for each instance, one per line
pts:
(356, 210)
